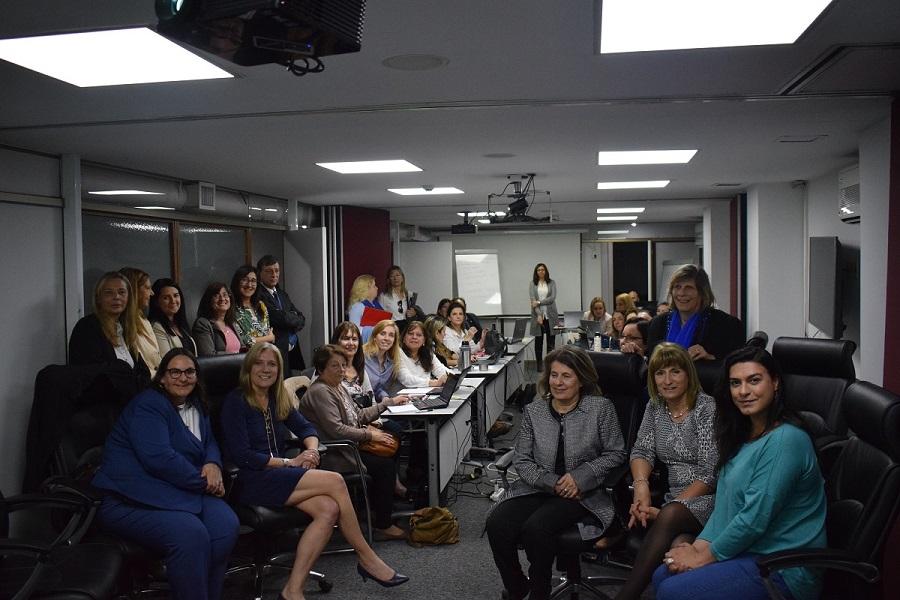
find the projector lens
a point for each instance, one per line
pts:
(167, 9)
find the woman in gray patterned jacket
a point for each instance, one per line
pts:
(568, 442)
(677, 430)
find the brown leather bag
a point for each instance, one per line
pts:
(385, 449)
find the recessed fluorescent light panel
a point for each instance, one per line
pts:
(647, 25)
(618, 218)
(631, 185)
(125, 193)
(493, 213)
(371, 166)
(612, 231)
(618, 211)
(155, 207)
(420, 191)
(111, 57)
(645, 157)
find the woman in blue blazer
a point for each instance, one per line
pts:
(162, 478)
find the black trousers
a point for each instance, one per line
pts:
(381, 493)
(533, 521)
(539, 342)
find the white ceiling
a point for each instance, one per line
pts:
(522, 79)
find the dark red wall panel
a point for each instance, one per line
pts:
(366, 237)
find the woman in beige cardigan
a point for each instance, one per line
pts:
(329, 407)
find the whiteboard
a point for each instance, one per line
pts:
(478, 281)
(428, 267)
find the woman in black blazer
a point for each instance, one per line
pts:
(104, 337)
(705, 332)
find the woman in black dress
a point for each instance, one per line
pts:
(255, 423)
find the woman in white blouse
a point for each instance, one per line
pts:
(395, 296)
(542, 293)
(456, 332)
(418, 365)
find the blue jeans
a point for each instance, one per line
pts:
(735, 579)
(195, 547)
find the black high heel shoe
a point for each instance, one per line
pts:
(397, 579)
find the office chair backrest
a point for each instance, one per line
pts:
(709, 372)
(816, 375)
(864, 484)
(219, 375)
(622, 380)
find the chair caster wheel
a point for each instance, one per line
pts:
(325, 586)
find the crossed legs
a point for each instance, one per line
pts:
(323, 496)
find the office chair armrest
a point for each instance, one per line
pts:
(505, 461)
(81, 513)
(616, 476)
(825, 558)
(298, 443)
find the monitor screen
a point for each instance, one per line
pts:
(825, 286)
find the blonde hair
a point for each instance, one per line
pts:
(433, 324)
(133, 314)
(667, 354)
(282, 401)
(360, 289)
(370, 348)
(591, 307)
(628, 302)
(107, 325)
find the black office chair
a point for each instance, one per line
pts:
(57, 569)
(863, 489)
(817, 373)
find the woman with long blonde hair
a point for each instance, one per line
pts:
(382, 353)
(256, 418)
(363, 294)
(144, 340)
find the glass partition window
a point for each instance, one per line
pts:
(111, 243)
(208, 253)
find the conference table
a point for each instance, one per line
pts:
(451, 432)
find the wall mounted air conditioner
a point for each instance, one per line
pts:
(201, 196)
(848, 195)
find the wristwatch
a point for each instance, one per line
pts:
(285, 462)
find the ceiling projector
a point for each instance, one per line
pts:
(255, 32)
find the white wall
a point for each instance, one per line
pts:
(717, 251)
(822, 220)
(428, 267)
(519, 253)
(32, 321)
(596, 273)
(874, 191)
(776, 241)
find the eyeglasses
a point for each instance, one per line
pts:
(632, 338)
(248, 281)
(177, 373)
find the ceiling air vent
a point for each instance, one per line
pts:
(848, 195)
(201, 195)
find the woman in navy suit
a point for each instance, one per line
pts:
(162, 476)
(256, 418)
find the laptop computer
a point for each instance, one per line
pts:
(442, 400)
(572, 319)
(518, 331)
(592, 328)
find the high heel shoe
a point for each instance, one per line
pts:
(397, 579)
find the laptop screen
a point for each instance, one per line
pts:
(572, 318)
(519, 331)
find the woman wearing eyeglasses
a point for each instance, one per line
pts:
(250, 315)
(162, 481)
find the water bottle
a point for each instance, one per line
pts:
(465, 356)
(598, 345)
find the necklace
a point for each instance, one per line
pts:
(676, 416)
(271, 442)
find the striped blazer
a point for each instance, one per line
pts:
(593, 446)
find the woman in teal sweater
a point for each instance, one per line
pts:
(770, 494)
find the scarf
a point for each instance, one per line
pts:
(683, 335)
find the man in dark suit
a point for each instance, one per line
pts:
(286, 319)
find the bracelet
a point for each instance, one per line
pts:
(285, 462)
(640, 481)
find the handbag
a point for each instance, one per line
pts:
(431, 526)
(385, 449)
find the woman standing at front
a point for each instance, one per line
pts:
(162, 478)
(568, 442)
(769, 497)
(255, 423)
(677, 430)
(542, 292)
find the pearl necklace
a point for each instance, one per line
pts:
(675, 417)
